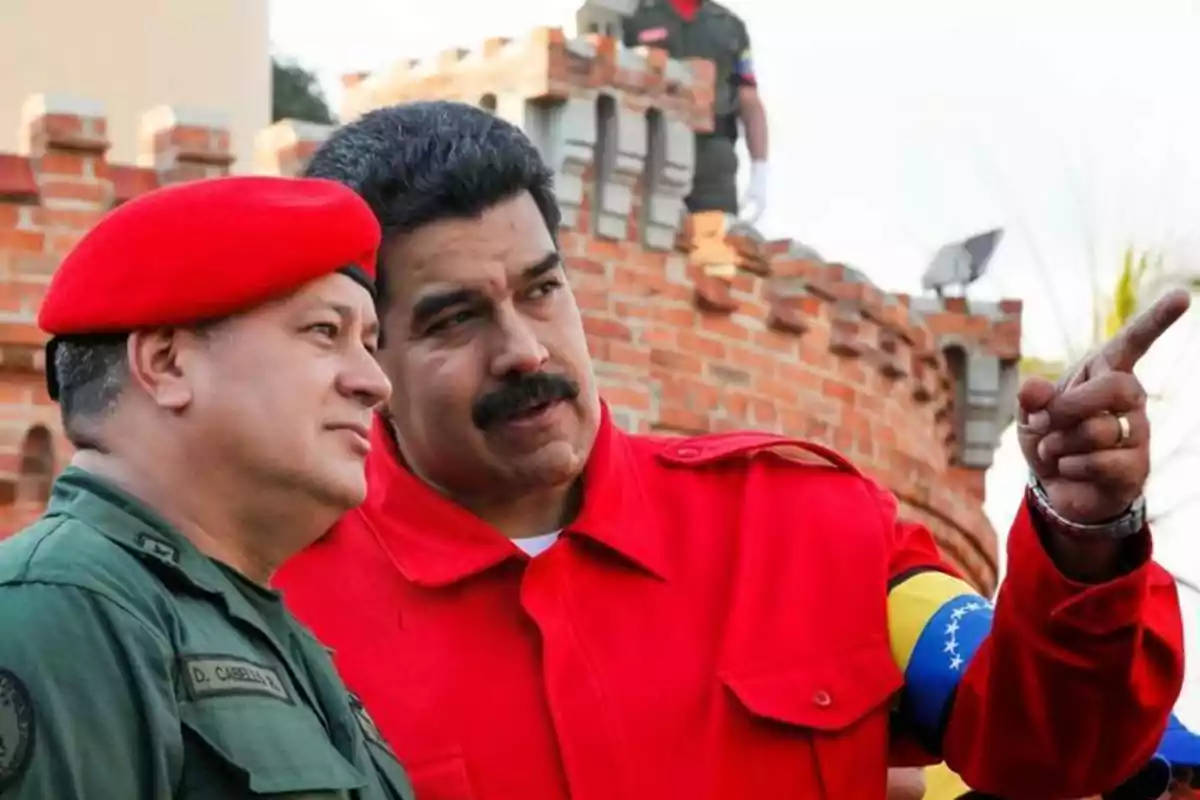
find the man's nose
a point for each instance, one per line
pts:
(365, 380)
(518, 348)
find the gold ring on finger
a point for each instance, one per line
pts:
(1123, 430)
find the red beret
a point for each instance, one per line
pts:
(206, 249)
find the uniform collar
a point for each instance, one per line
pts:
(130, 523)
(134, 526)
(435, 542)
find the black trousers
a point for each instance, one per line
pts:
(714, 186)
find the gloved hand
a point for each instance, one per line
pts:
(754, 202)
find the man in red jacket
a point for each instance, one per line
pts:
(534, 604)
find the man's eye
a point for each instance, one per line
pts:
(457, 318)
(326, 329)
(545, 288)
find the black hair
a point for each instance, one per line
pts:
(417, 163)
(91, 371)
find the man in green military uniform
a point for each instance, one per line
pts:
(706, 29)
(212, 355)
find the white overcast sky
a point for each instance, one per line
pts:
(1074, 125)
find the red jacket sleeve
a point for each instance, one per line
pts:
(1059, 690)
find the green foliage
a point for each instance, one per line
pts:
(1124, 301)
(1032, 367)
(1111, 311)
(296, 94)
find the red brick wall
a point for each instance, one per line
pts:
(790, 344)
(50, 194)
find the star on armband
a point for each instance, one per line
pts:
(937, 623)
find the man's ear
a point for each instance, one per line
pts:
(157, 361)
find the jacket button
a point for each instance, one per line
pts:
(821, 699)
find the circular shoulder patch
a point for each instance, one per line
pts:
(16, 728)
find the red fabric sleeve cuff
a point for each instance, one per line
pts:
(1040, 590)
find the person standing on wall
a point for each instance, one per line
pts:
(708, 30)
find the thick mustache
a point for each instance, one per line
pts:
(520, 394)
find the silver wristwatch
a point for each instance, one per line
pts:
(1128, 524)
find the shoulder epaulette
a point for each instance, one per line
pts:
(719, 447)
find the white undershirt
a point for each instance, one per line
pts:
(536, 545)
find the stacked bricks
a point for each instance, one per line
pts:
(915, 390)
(51, 193)
(616, 124)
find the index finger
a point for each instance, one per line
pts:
(1123, 351)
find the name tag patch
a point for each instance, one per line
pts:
(652, 35)
(218, 676)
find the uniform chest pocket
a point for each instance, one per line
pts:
(842, 703)
(270, 748)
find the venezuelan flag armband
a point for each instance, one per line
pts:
(744, 72)
(936, 623)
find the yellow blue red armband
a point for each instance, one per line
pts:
(745, 69)
(936, 623)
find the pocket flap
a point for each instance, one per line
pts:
(828, 695)
(280, 748)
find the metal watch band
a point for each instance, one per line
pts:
(1128, 524)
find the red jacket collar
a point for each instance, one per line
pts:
(686, 8)
(436, 543)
